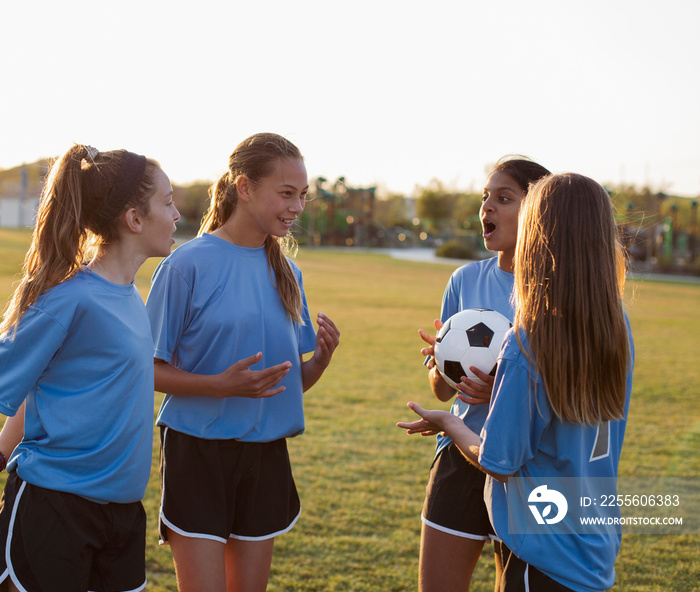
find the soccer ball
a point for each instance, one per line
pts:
(471, 337)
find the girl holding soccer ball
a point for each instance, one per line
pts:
(455, 520)
(562, 389)
(231, 324)
(75, 346)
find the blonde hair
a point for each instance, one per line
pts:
(256, 158)
(75, 216)
(569, 280)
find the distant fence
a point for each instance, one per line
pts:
(18, 212)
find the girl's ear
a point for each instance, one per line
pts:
(243, 187)
(133, 220)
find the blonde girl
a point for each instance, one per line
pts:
(231, 324)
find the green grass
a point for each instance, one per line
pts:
(362, 480)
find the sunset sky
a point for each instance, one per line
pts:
(387, 93)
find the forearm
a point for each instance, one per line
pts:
(465, 439)
(311, 372)
(174, 381)
(12, 432)
(442, 391)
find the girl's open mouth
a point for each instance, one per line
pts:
(489, 228)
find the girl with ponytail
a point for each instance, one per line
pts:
(231, 324)
(75, 346)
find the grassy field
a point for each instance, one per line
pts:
(362, 480)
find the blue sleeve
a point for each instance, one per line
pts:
(515, 423)
(24, 358)
(168, 307)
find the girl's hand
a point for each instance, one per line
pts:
(432, 422)
(443, 391)
(430, 340)
(327, 340)
(239, 380)
(474, 393)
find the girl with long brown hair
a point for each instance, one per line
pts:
(562, 388)
(75, 345)
(231, 324)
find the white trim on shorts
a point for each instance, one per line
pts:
(458, 533)
(191, 535)
(267, 536)
(527, 577)
(10, 530)
(211, 537)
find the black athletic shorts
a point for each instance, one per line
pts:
(217, 489)
(519, 576)
(61, 541)
(454, 499)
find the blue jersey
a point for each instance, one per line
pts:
(81, 357)
(481, 284)
(523, 437)
(211, 304)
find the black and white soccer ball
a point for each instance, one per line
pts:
(471, 337)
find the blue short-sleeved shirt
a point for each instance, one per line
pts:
(211, 304)
(81, 357)
(523, 437)
(481, 284)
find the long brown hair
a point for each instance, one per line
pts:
(255, 158)
(569, 280)
(74, 216)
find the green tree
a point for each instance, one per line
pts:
(191, 201)
(393, 210)
(466, 210)
(435, 204)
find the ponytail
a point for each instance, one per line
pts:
(83, 196)
(255, 158)
(222, 202)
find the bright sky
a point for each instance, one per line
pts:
(391, 93)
